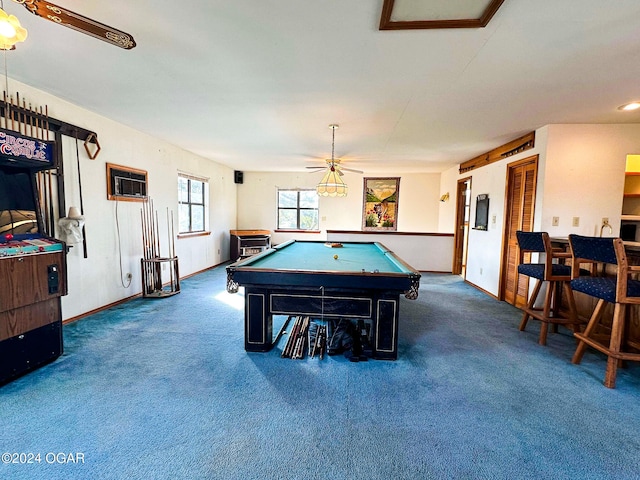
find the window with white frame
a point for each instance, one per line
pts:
(193, 208)
(297, 209)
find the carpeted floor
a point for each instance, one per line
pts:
(163, 389)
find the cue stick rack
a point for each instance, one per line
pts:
(152, 263)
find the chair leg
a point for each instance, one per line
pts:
(593, 321)
(546, 313)
(530, 304)
(573, 311)
(617, 332)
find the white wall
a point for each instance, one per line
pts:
(580, 174)
(584, 177)
(113, 229)
(257, 203)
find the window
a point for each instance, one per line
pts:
(192, 203)
(297, 210)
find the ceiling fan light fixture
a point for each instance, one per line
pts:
(332, 185)
(11, 32)
(629, 106)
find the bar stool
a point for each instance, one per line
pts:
(553, 274)
(620, 290)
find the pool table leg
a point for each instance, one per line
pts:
(386, 328)
(258, 322)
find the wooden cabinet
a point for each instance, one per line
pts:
(630, 218)
(30, 310)
(245, 243)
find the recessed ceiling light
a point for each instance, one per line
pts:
(629, 106)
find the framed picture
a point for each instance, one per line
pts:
(380, 204)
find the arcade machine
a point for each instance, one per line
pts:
(32, 264)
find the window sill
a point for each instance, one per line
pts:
(297, 231)
(194, 234)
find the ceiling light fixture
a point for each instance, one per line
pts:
(11, 32)
(629, 106)
(332, 184)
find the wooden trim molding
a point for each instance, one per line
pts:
(519, 145)
(387, 24)
(369, 232)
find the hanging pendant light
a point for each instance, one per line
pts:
(332, 184)
(11, 32)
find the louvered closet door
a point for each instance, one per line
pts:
(521, 189)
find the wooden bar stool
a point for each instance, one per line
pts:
(620, 290)
(554, 274)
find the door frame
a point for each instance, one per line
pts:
(461, 231)
(534, 159)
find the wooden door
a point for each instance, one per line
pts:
(461, 233)
(521, 190)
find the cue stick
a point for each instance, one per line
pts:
(52, 220)
(30, 121)
(52, 224)
(156, 236)
(39, 128)
(22, 123)
(145, 250)
(284, 326)
(151, 238)
(17, 104)
(19, 113)
(173, 237)
(287, 347)
(157, 231)
(84, 236)
(169, 248)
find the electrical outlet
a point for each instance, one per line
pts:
(555, 222)
(576, 221)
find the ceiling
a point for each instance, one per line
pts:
(254, 84)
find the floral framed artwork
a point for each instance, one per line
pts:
(380, 204)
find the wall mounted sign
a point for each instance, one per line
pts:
(19, 149)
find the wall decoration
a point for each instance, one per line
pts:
(482, 212)
(380, 204)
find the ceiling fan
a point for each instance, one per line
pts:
(78, 22)
(333, 164)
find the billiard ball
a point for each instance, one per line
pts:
(335, 257)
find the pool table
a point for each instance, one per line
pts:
(354, 280)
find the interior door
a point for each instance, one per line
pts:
(521, 190)
(461, 234)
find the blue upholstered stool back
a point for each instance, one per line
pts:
(535, 242)
(530, 241)
(593, 248)
(603, 250)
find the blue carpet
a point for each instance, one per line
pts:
(163, 389)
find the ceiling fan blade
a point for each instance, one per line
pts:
(351, 170)
(82, 24)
